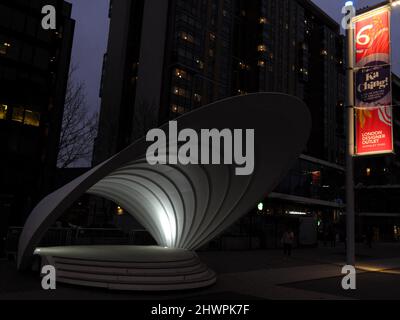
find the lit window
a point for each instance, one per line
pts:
(18, 114)
(181, 74)
(262, 48)
(177, 109)
(3, 111)
(261, 63)
(186, 36)
(316, 177)
(3, 47)
(243, 66)
(368, 171)
(197, 97)
(212, 36)
(263, 20)
(324, 52)
(32, 118)
(180, 92)
(200, 64)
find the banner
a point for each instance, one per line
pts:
(374, 130)
(373, 90)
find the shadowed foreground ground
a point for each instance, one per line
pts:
(247, 275)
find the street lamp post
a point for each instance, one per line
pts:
(350, 214)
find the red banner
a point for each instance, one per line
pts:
(373, 94)
(372, 32)
(374, 130)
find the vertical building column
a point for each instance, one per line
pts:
(151, 61)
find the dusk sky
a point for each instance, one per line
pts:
(91, 35)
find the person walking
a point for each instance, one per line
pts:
(287, 241)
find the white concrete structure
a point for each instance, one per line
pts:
(128, 267)
(187, 206)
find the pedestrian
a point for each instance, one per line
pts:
(287, 241)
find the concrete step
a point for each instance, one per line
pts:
(128, 268)
(203, 273)
(132, 271)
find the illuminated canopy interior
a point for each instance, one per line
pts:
(185, 206)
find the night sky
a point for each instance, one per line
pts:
(91, 35)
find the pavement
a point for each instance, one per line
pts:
(310, 274)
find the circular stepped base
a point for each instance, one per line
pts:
(137, 268)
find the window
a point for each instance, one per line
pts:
(181, 74)
(263, 20)
(32, 118)
(200, 64)
(177, 109)
(262, 48)
(244, 66)
(3, 111)
(18, 114)
(186, 36)
(180, 92)
(197, 97)
(261, 63)
(25, 116)
(4, 47)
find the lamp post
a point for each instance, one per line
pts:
(350, 214)
(350, 150)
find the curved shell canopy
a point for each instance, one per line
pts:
(184, 206)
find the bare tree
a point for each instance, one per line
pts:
(79, 125)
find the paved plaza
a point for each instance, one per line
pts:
(313, 273)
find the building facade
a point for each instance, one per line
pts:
(165, 59)
(34, 66)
